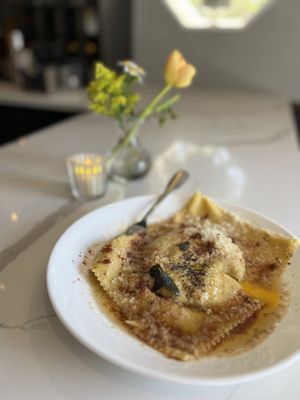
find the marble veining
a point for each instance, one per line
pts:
(231, 393)
(246, 141)
(39, 323)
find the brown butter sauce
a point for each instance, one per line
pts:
(256, 329)
(105, 304)
(241, 340)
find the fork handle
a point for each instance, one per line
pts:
(175, 182)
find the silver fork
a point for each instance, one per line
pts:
(175, 182)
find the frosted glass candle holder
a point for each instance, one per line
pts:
(87, 175)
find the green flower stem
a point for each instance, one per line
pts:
(167, 104)
(149, 108)
(132, 132)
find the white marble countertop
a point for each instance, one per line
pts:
(63, 100)
(237, 147)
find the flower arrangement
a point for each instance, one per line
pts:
(113, 94)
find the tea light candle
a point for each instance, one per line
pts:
(87, 174)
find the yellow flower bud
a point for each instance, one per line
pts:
(178, 72)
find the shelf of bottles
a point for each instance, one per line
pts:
(49, 45)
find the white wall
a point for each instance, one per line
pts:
(265, 56)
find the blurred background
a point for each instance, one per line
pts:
(48, 48)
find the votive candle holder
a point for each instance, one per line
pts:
(87, 175)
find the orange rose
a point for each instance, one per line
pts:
(178, 73)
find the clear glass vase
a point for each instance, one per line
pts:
(131, 162)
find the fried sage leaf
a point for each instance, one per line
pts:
(162, 280)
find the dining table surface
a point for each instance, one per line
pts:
(240, 147)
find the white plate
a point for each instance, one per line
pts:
(70, 294)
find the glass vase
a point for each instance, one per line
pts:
(131, 162)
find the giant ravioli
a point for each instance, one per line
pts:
(223, 267)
